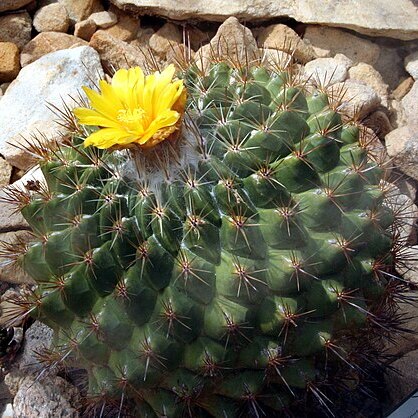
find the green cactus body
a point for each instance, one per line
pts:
(232, 287)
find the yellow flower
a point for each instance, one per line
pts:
(134, 109)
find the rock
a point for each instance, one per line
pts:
(379, 122)
(402, 146)
(47, 42)
(4, 86)
(37, 337)
(165, 39)
(7, 308)
(10, 272)
(52, 79)
(13, 381)
(10, 219)
(375, 147)
(411, 64)
(51, 18)
(33, 175)
(367, 74)
(404, 379)
(409, 267)
(286, 39)
(115, 53)
(8, 411)
(85, 29)
(403, 88)
(274, 58)
(390, 66)
(17, 150)
(5, 173)
(13, 227)
(142, 38)
(396, 113)
(407, 313)
(16, 28)
(408, 187)
(79, 10)
(198, 37)
(232, 40)
(127, 26)
(405, 208)
(327, 42)
(179, 55)
(104, 19)
(327, 71)
(370, 19)
(6, 5)
(410, 105)
(46, 398)
(203, 56)
(9, 61)
(344, 59)
(358, 99)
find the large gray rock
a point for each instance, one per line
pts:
(397, 19)
(51, 79)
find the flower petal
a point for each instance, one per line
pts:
(168, 97)
(87, 116)
(166, 118)
(129, 85)
(108, 137)
(163, 80)
(99, 103)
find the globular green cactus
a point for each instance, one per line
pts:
(235, 271)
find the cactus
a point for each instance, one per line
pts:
(236, 270)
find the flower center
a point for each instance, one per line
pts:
(130, 116)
